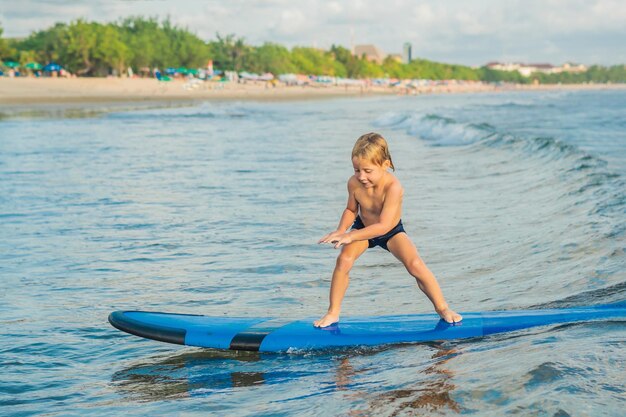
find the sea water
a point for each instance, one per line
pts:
(515, 200)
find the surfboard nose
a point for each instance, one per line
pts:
(121, 320)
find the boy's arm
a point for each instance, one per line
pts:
(393, 200)
(350, 212)
(347, 217)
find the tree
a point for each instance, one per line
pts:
(6, 50)
(4, 45)
(80, 40)
(271, 57)
(147, 43)
(186, 48)
(47, 45)
(313, 61)
(395, 69)
(230, 53)
(110, 51)
(349, 62)
(491, 75)
(24, 57)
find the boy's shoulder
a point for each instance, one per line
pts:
(394, 184)
(353, 182)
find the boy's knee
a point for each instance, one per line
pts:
(345, 262)
(414, 266)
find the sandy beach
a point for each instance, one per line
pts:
(27, 91)
(84, 90)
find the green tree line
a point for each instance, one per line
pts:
(99, 49)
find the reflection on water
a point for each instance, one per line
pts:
(211, 372)
(432, 393)
(186, 374)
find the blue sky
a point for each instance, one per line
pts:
(469, 32)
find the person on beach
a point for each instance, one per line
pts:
(374, 208)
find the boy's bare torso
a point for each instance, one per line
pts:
(370, 201)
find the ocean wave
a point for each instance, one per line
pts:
(437, 130)
(530, 103)
(390, 119)
(588, 177)
(612, 294)
(202, 111)
(513, 104)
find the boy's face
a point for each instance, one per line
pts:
(368, 173)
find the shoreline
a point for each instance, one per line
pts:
(28, 93)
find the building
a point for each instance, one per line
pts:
(407, 53)
(570, 67)
(371, 53)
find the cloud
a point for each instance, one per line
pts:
(289, 23)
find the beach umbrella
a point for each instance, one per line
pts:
(170, 71)
(52, 66)
(11, 64)
(34, 66)
(192, 71)
(182, 70)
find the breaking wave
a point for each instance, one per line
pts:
(437, 130)
(588, 177)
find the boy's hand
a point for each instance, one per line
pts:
(330, 237)
(337, 238)
(343, 239)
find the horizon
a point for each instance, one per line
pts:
(471, 33)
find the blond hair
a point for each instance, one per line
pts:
(372, 147)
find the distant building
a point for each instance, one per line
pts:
(407, 53)
(371, 53)
(527, 69)
(570, 67)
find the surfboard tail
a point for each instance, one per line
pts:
(619, 304)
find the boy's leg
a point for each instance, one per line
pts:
(339, 284)
(402, 248)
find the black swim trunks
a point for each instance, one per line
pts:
(380, 240)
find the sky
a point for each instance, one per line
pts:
(470, 32)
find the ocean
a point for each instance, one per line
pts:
(515, 200)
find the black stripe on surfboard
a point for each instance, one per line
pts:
(122, 322)
(253, 336)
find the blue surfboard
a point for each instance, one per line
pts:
(278, 335)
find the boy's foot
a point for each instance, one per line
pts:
(449, 316)
(327, 320)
